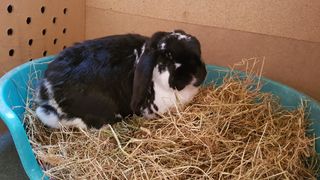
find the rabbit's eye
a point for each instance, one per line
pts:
(169, 55)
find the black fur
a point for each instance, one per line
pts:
(97, 79)
(49, 109)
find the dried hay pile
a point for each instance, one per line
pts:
(227, 132)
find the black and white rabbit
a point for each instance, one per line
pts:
(102, 80)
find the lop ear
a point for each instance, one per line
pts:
(142, 79)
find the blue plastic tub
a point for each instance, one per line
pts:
(13, 93)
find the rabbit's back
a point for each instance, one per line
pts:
(91, 81)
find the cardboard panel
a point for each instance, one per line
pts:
(38, 28)
(293, 62)
(296, 19)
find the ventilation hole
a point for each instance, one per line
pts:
(11, 52)
(28, 21)
(10, 8)
(65, 11)
(55, 41)
(43, 9)
(54, 20)
(30, 42)
(10, 31)
(44, 31)
(64, 47)
(64, 30)
(44, 53)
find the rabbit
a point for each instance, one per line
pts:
(104, 80)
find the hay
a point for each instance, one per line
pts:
(228, 132)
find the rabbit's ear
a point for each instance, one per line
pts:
(142, 78)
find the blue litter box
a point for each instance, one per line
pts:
(13, 93)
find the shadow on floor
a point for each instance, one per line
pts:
(10, 166)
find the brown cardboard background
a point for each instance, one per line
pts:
(73, 21)
(292, 62)
(298, 19)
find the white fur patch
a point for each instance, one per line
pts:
(49, 119)
(147, 114)
(181, 36)
(142, 51)
(137, 55)
(52, 102)
(118, 116)
(48, 87)
(37, 96)
(187, 93)
(52, 120)
(143, 48)
(165, 96)
(162, 46)
(177, 65)
(75, 122)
